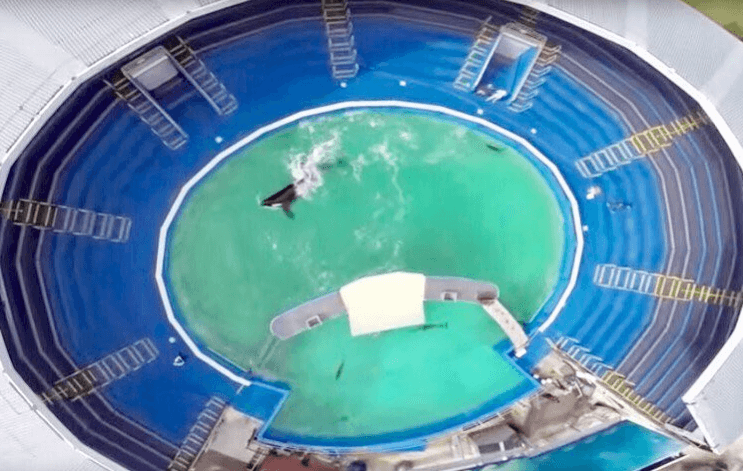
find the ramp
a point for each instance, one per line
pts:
(508, 323)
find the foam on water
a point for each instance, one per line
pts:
(305, 168)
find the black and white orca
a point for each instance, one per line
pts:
(283, 199)
(286, 196)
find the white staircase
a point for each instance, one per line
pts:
(664, 286)
(102, 372)
(640, 144)
(607, 159)
(341, 43)
(537, 76)
(149, 111)
(625, 279)
(583, 356)
(67, 220)
(202, 78)
(99, 226)
(478, 58)
(198, 435)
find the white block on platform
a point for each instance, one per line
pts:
(384, 302)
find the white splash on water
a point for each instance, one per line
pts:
(309, 124)
(306, 169)
(396, 249)
(383, 151)
(375, 121)
(359, 234)
(351, 115)
(410, 139)
(357, 167)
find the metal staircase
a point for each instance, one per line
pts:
(640, 144)
(620, 385)
(24, 212)
(102, 372)
(341, 45)
(480, 54)
(202, 78)
(149, 111)
(529, 16)
(582, 355)
(537, 76)
(663, 286)
(67, 220)
(611, 379)
(198, 435)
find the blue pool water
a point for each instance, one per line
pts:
(624, 447)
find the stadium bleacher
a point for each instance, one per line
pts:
(62, 298)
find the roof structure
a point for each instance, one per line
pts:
(715, 400)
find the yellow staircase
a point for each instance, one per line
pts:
(619, 384)
(638, 145)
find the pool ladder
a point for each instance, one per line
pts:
(66, 220)
(141, 102)
(197, 437)
(205, 82)
(341, 45)
(478, 58)
(103, 372)
(529, 16)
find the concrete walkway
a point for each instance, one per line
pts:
(317, 311)
(509, 325)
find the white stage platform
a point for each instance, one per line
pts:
(384, 302)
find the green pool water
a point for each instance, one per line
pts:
(403, 191)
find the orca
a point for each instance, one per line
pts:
(283, 199)
(443, 325)
(328, 166)
(286, 196)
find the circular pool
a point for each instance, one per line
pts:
(396, 189)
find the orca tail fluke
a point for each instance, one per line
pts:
(287, 207)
